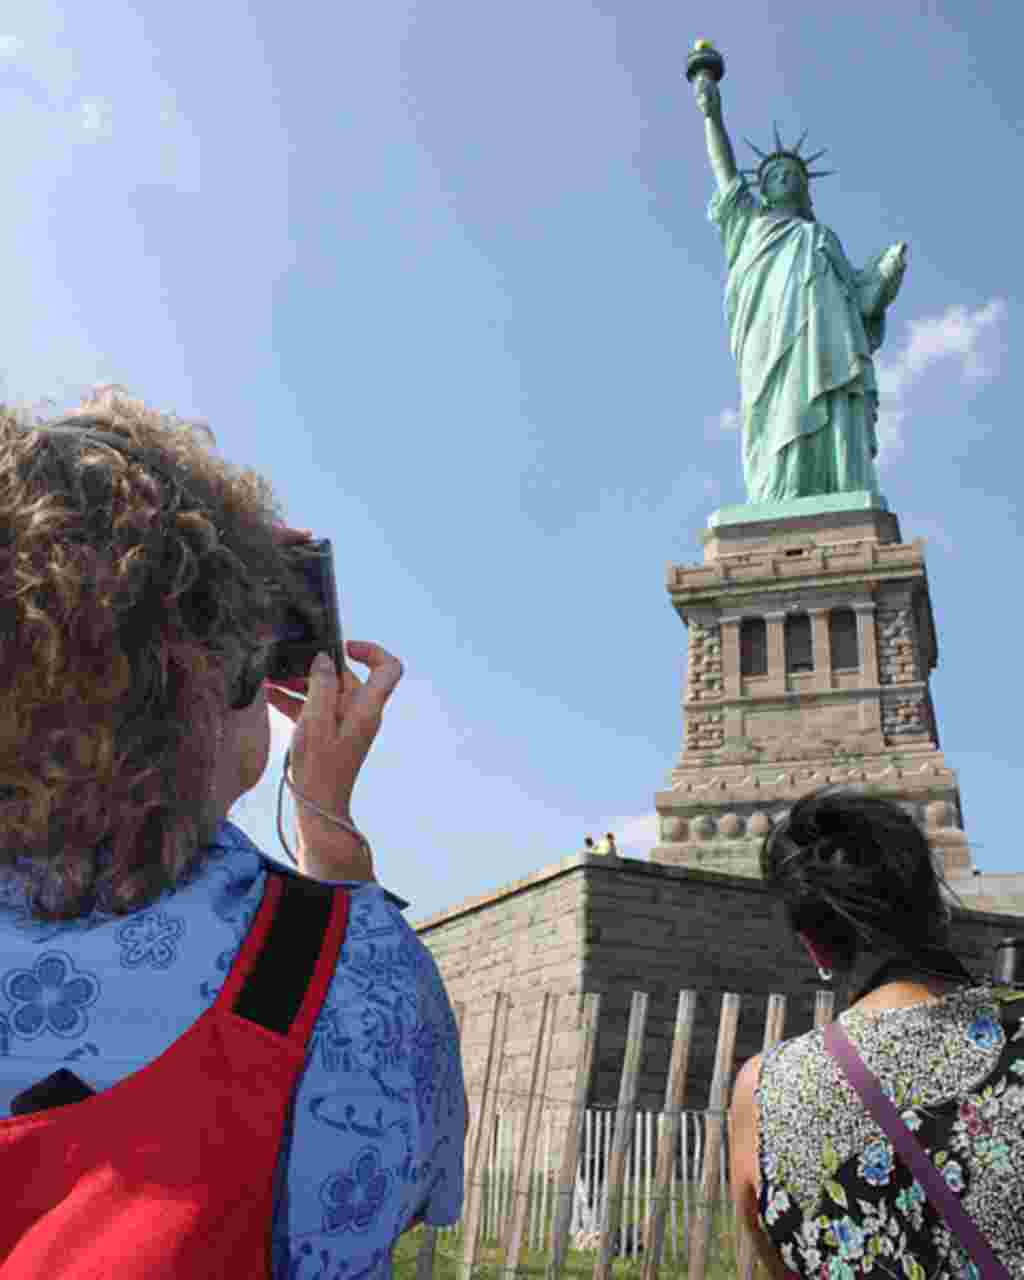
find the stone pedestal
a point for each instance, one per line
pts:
(811, 645)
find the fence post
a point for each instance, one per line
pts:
(488, 1096)
(713, 1134)
(522, 1173)
(425, 1254)
(824, 1003)
(774, 1022)
(675, 1091)
(571, 1142)
(612, 1217)
(545, 1186)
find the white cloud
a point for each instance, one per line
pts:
(971, 337)
(933, 531)
(177, 146)
(956, 332)
(42, 50)
(889, 430)
(160, 143)
(726, 423)
(634, 833)
(95, 116)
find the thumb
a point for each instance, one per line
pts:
(323, 685)
(318, 712)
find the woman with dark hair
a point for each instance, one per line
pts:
(211, 1063)
(817, 1181)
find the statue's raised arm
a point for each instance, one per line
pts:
(705, 67)
(803, 323)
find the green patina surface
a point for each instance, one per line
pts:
(814, 505)
(803, 322)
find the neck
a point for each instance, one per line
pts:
(899, 975)
(787, 210)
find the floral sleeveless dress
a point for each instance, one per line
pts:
(835, 1199)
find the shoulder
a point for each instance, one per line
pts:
(743, 1121)
(736, 198)
(746, 1083)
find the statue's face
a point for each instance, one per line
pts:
(784, 183)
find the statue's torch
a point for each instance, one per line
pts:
(704, 60)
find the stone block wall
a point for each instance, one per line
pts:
(618, 925)
(522, 939)
(665, 929)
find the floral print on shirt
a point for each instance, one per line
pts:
(837, 1201)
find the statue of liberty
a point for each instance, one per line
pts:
(803, 323)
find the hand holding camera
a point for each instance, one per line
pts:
(334, 730)
(335, 724)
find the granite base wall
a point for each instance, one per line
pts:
(615, 926)
(525, 942)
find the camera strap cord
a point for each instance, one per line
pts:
(338, 822)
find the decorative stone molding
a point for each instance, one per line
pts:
(705, 731)
(725, 786)
(898, 661)
(907, 713)
(704, 675)
(940, 813)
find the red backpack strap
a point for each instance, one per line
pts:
(288, 980)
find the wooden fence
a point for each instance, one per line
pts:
(506, 1200)
(591, 1189)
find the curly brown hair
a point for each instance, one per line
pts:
(130, 608)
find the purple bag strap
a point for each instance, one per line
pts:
(935, 1187)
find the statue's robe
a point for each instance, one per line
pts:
(803, 351)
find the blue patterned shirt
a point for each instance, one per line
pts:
(382, 1090)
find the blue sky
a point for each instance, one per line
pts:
(442, 272)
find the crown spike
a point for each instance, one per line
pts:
(755, 148)
(817, 155)
(823, 173)
(800, 142)
(778, 140)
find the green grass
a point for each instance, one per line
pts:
(720, 1262)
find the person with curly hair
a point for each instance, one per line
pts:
(211, 1063)
(820, 1185)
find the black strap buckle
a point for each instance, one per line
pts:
(57, 1090)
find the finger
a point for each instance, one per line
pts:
(385, 672)
(350, 681)
(321, 709)
(288, 536)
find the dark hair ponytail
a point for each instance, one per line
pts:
(855, 872)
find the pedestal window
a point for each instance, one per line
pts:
(753, 647)
(799, 643)
(843, 640)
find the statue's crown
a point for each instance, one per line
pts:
(787, 153)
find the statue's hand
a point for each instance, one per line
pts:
(709, 100)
